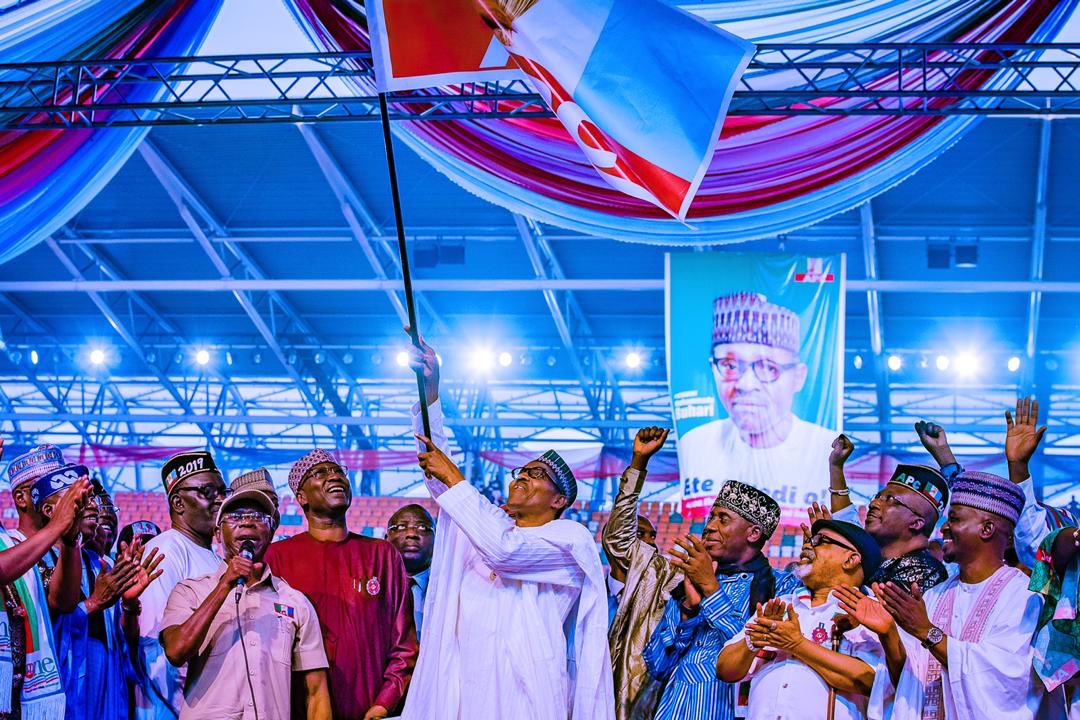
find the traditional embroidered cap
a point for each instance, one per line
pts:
(56, 481)
(560, 471)
(34, 463)
(863, 542)
(185, 464)
(255, 480)
(751, 504)
(265, 503)
(989, 492)
(300, 467)
(748, 317)
(926, 481)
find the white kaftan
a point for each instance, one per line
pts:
(991, 678)
(515, 619)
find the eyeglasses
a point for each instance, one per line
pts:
(323, 473)
(420, 528)
(237, 517)
(765, 371)
(108, 509)
(536, 473)
(820, 539)
(210, 493)
(890, 499)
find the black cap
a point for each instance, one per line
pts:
(926, 481)
(861, 540)
(185, 464)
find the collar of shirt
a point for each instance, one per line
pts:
(802, 600)
(615, 587)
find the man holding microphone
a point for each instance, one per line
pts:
(244, 632)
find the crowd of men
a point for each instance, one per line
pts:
(506, 612)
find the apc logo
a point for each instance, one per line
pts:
(815, 272)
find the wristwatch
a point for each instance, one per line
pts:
(933, 637)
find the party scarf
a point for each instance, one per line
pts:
(42, 692)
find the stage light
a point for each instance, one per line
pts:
(402, 359)
(228, 358)
(552, 360)
(506, 359)
(202, 357)
(347, 358)
(320, 357)
(942, 362)
(1014, 364)
(857, 362)
(895, 362)
(256, 358)
(33, 357)
(482, 360)
(632, 360)
(923, 362)
(966, 364)
(97, 357)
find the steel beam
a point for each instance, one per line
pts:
(876, 318)
(1038, 251)
(489, 285)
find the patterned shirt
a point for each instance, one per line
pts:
(918, 566)
(684, 652)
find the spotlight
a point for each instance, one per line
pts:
(33, 357)
(506, 359)
(1013, 364)
(482, 360)
(402, 359)
(552, 360)
(228, 358)
(376, 359)
(97, 357)
(292, 358)
(942, 362)
(857, 362)
(320, 357)
(347, 358)
(256, 358)
(895, 362)
(632, 360)
(202, 357)
(151, 357)
(923, 362)
(966, 364)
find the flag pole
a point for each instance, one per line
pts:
(403, 253)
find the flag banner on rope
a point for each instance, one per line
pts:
(640, 86)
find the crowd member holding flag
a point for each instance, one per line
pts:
(244, 632)
(785, 648)
(194, 487)
(360, 591)
(516, 612)
(30, 685)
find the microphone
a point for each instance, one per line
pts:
(247, 550)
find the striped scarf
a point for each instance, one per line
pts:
(42, 692)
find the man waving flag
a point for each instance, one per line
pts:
(641, 87)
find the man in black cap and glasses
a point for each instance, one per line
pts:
(195, 489)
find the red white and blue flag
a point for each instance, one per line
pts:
(642, 87)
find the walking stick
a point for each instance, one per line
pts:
(841, 624)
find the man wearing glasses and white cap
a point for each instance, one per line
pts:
(195, 489)
(243, 632)
(757, 369)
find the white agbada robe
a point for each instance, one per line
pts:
(515, 619)
(992, 678)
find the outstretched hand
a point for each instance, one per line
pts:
(435, 464)
(1023, 435)
(425, 360)
(933, 438)
(864, 610)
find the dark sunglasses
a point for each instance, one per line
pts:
(820, 539)
(208, 492)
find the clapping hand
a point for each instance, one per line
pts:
(697, 565)
(864, 609)
(783, 634)
(907, 608)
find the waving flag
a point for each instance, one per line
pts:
(642, 87)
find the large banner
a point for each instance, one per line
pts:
(755, 347)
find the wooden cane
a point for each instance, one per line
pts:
(841, 624)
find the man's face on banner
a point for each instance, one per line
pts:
(757, 385)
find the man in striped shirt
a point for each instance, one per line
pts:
(712, 605)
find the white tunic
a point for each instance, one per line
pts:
(515, 619)
(788, 689)
(795, 472)
(991, 678)
(184, 560)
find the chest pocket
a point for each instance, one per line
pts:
(281, 644)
